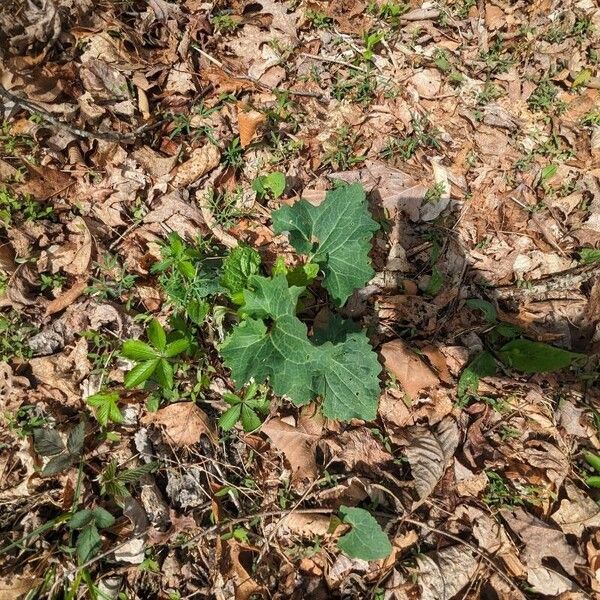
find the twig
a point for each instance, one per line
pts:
(257, 82)
(335, 61)
(33, 108)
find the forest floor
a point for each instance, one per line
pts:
(142, 141)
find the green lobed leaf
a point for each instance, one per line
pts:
(164, 374)
(366, 540)
(483, 365)
(141, 373)
(57, 464)
(536, 357)
(241, 263)
(102, 517)
(176, 347)
(106, 405)
(250, 420)
(336, 235)
(76, 439)
(230, 417)
(138, 350)
(157, 335)
(88, 543)
(47, 442)
(80, 519)
(344, 374)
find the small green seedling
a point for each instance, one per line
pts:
(106, 407)
(271, 185)
(47, 442)
(154, 359)
(245, 409)
(113, 480)
(177, 255)
(594, 461)
(88, 522)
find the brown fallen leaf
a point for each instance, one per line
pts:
(305, 525)
(184, 423)
(429, 453)
(248, 123)
(17, 587)
(410, 371)
(543, 541)
(577, 512)
(297, 444)
(444, 573)
(232, 568)
(66, 298)
(357, 449)
(201, 161)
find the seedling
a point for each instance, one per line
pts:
(271, 185)
(318, 19)
(423, 135)
(14, 208)
(106, 407)
(250, 409)
(52, 281)
(370, 40)
(390, 11)
(489, 93)
(224, 23)
(112, 281)
(545, 98)
(272, 343)
(233, 155)
(186, 278)
(14, 333)
(48, 442)
(113, 481)
(154, 359)
(88, 522)
(341, 155)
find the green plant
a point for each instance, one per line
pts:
(225, 23)
(112, 282)
(271, 185)
(366, 540)
(48, 442)
(114, 481)
(17, 208)
(435, 192)
(593, 460)
(496, 61)
(544, 98)
(52, 281)
(187, 278)
(463, 7)
(272, 343)
(88, 522)
(318, 19)
(241, 263)
(245, 409)
(233, 154)
(341, 154)
(358, 86)
(226, 207)
(14, 333)
(489, 93)
(106, 407)
(390, 11)
(591, 119)
(154, 359)
(371, 39)
(423, 135)
(588, 256)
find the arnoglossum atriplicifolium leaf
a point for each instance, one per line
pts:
(272, 343)
(336, 235)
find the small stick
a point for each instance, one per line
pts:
(35, 109)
